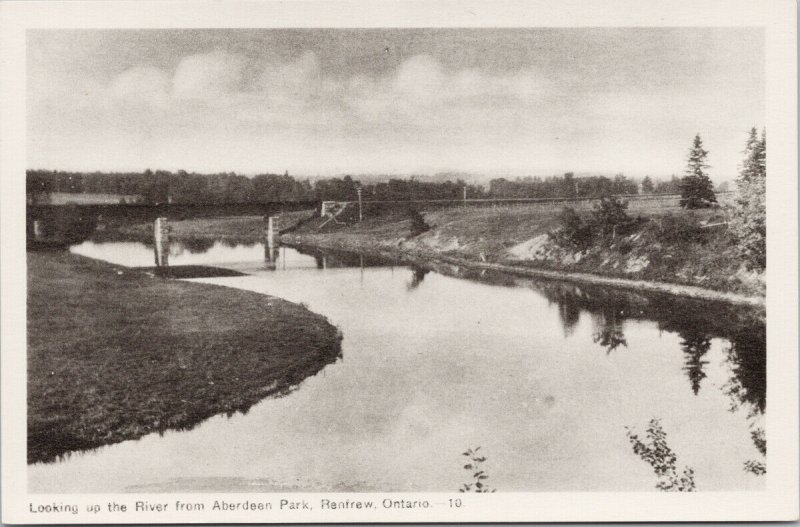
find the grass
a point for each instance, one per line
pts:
(114, 354)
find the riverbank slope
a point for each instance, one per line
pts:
(115, 353)
(669, 251)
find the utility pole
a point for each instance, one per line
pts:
(360, 215)
(465, 195)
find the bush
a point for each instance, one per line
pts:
(610, 217)
(418, 224)
(683, 228)
(574, 231)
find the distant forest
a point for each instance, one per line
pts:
(182, 187)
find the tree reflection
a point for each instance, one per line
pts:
(417, 277)
(569, 308)
(747, 360)
(610, 330)
(695, 345)
(197, 245)
(747, 386)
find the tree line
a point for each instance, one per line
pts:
(162, 186)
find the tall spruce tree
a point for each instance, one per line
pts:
(749, 221)
(697, 191)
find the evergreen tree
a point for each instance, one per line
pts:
(697, 191)
(749, 222)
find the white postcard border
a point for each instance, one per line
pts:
(780, 499)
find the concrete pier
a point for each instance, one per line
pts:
(161, 242)
(270, 242)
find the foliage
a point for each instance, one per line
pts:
(682, 228)
(164, 186)
(759, 468)
(566, 186)
(749, 221)
(760, 440)
(574, 230)
(610, 216)
(670, 186)
(647, 185)
(697, 191)
(418, 224)
(755, 467)
(477, 474)
(657, 453)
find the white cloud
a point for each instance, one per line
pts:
(292, 81)
(143, 83)
(209, 75)
(222, 111)
(420, 78)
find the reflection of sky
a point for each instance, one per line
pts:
(135, 254)
(430, 371)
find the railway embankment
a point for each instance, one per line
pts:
(662, 249)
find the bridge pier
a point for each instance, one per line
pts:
(270, 245)
(161, 239)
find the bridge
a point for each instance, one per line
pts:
(49, 224)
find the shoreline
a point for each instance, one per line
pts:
(414, 255)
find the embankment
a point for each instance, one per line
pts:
(115, 353)
(517, 239)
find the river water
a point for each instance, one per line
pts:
(543, 376)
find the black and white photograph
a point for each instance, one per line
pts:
(295, 273)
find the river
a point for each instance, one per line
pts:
(543, 376)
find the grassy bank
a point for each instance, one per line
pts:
(667, 250)
(114, 354)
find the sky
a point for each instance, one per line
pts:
(492, 102)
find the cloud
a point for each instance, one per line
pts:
(141, 83)
(226, 111)
(208, 76)
(297, 80)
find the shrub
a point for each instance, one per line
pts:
(477, 473)
(657, 453)
(610, 217)
(574, 231)
(418, 224)
(682, 228)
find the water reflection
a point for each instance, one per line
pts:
(609, 331)
(696, 322)
(747, 360)
(551, 409)
(417, 276)
(695, 345)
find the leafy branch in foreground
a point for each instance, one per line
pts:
(478, 475)
(657, 453)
